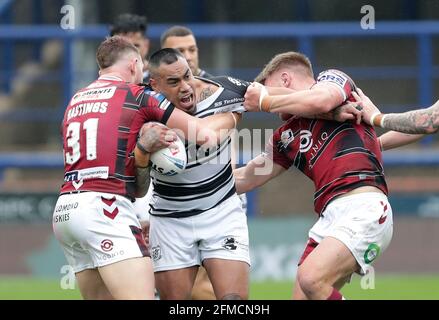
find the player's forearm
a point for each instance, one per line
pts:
(393, 139)
(276, 91)
(142, 172)
(303, 103)
(256, 173)
(243, 180)
(214, 129)
(425, 121)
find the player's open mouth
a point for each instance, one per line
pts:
(187, 101)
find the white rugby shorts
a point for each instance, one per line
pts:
(363, 222)
(220, 232)
(96, 229)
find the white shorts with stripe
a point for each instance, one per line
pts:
(220, 232)
(96, 229)
(363, 222)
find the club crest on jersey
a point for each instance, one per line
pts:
(286, 137)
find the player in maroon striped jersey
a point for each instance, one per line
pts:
(94, 218)
(343, 159)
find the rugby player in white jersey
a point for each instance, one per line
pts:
(196, 216)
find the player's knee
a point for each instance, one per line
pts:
(203, 290)
(175, 295)
(234, 296)
(310, 281)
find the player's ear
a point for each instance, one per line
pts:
(153, 83)
(286, 79)
(132, 66)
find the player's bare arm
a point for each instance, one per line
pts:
(209, 131)
(256, 173)
(394, 139)
(422, 121)
(321, 98)
(418, 121)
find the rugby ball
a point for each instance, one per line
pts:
(170, 161)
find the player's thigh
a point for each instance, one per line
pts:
(91, 285)
(176, 284)
(330, 262)
(230, 278)
(202, 289)
(129, 279)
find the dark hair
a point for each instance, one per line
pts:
(112, 49)
(128, 22)
(175, 31)
(166, 56)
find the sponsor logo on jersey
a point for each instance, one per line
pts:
(372, 252)
(305, 141)
(71, 176)
(93, 94)
(66, 207)
(318, 144)
(89, 173)
(61, 218)
(235, 81)
(107, 245)
(112, 255)
(332, 76)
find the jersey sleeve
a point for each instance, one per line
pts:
(156, 107)
(272, 151)
(238, 87)
(340, 79)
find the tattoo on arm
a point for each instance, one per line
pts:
(206, 93)
(325, 116)
(417, 121)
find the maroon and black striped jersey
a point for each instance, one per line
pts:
(337, 157)
(96, 130)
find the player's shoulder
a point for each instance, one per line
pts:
(338, 78)
(228, 82)
(335, 76)
(151, 98)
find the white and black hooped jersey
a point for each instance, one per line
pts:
(208, 179)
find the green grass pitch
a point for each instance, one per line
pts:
(386, 287)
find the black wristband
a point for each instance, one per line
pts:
(141, 148)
